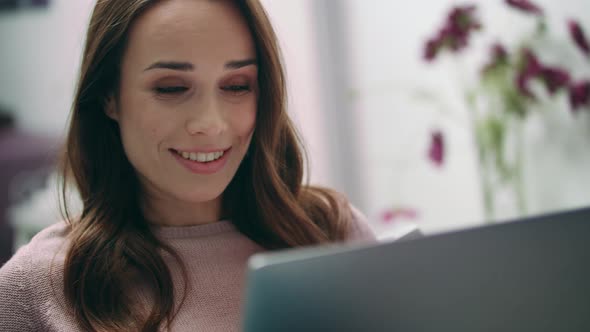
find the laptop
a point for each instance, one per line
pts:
(531, 274)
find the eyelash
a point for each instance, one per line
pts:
(236, 88)
(176, 90)
(170, 90)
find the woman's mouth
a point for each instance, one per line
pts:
(202, 157)
(202, 162)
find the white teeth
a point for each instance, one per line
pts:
(201, 157)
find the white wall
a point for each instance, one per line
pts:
(293, 23)
(40, 55)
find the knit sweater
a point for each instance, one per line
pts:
(215, 256)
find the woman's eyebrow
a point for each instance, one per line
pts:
(187, 66)
(235, 64)
(174, 65)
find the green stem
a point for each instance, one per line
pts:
(488, 192)
(483, 168)
(519, 187)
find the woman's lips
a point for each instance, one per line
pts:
(202, 167)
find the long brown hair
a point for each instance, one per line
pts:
(267, 199)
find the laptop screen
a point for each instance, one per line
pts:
(527, 275)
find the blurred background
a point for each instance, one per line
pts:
(402, 106)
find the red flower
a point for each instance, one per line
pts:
(525, 6)
(580, 94)
(531, 68)
(555, 78)
(436, 152)
(578, 36)
(454, 35)
(431, 49)
(460, 23)
(391, 215)
(498, 56)
(499, 52)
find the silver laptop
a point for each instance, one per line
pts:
(528, 275)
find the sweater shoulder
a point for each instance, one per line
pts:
(26, 280)
(48, 247)
(360, 230)
(37, 254)
(17, 303)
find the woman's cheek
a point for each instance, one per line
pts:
(248, 121)
(154, 124)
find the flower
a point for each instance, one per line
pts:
(503, 99)
(578, 36)
(555, 78)
(454, 35)
(460, 23)
(579, 94)
(525, 6)
(498, 56)
(436, 152)
(499, 52)
(530, 69)
(431, 49)
(391, 215)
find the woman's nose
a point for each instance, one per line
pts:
(205, 118)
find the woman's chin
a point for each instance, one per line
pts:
(199, 197)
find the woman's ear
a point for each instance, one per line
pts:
(110, 108)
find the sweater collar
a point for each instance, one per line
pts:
(203, 230)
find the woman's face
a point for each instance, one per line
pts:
(188, 98)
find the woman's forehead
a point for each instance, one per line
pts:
(191, 29)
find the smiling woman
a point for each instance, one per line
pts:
(187, 164)
(184, 92)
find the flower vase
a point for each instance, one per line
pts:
(499, 140)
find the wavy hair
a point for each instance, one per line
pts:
(267, 200)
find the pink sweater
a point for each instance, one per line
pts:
(215, 255)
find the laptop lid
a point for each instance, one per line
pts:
(527, 275)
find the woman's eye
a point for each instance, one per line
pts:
(170, 90)
(237, 89)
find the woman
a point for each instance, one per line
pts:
(187, 164)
